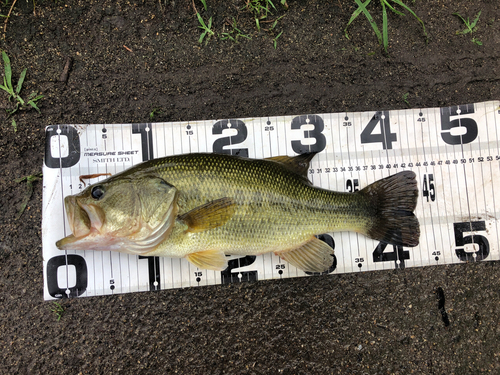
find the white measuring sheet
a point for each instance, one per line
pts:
(454, 151)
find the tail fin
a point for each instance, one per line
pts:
(391, 201)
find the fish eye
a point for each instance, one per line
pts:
(97, 192)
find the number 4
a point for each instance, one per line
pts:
(385, 136)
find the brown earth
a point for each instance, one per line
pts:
(130, 57)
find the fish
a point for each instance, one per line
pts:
(205, 206)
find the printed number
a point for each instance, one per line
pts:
(480, 241)
(428, 189)
(239, 137)
(316, 133)
(80, 286)
(398, 254)
(153, 272)
(385, 136)
(228, 277)
(67, 158)
(447, 124)
(352, 185)
(329, 240)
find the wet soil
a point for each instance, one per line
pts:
(130, 57)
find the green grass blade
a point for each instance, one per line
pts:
(355, 14)
(5, 88)
(400, 3)
(370, 19)
(200, 20)
(385, 33)
(8, 71)
(33, 104)
(202, 36)
(458, 15)
(21, 80)
(473, 24)
(394, 9)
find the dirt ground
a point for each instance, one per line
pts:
(130, 57)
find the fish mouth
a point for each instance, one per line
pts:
(84, 222)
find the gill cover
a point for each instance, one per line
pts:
(128, 215)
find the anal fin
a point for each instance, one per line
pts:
(313, 256)
(209, 260)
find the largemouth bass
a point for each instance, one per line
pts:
(203, 207)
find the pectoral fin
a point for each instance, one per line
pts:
(313, 256)
(210, 215)
(208, 260)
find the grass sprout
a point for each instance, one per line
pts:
(470, 27)
(275, 40)
(207, 29)
(234, 34)
(58, 310)
(155, 111)
(29, 189)
(261, 9)
(14, 93)
(405, 98)
(383, 37)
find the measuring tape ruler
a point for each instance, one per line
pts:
(454, 151)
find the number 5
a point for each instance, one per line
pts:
(481, 241)
(469, 124)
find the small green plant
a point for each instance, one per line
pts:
(234, 34)
(29, 191)
(275, 40)
(207, 29)
(58, 310)
(470, 27)
(154, 112)
(261, 9)
(383, 37)
(405, 98)
(15, 93)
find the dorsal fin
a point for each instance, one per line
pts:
(298, 164)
